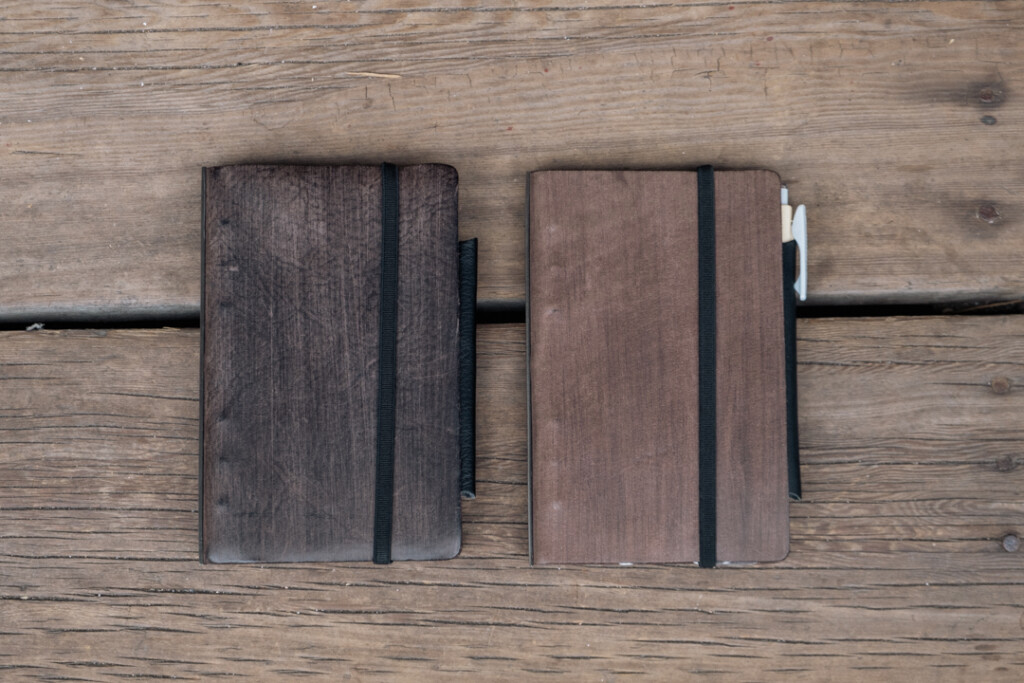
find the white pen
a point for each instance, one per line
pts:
(794, 227)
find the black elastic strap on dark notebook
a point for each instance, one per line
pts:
(467, 368)
(706, 332)
(789, 315)
(384, 482)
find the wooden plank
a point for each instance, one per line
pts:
(912, 480)
(898, 124)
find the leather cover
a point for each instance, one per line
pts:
(613, 367)
(290, 308)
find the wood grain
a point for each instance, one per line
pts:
(898, 124)
(912, 468)
(291, 358)
(752, 500)
(614, 391)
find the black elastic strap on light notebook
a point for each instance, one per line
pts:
(384, 481)
(467, 368)
(789, 315)
(706, 334)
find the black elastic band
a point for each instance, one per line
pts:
(706, 326)
(789, 315)
(467, 368)
(384, 482)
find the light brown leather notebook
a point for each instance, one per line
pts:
(657, 367)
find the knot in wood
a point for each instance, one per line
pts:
(1000, 385)
(1006, 464)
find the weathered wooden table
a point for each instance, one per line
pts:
(900, 125)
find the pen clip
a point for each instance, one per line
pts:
(800, 235)
(794, 228)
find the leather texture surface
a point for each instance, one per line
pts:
(614, 367)
(290, 356)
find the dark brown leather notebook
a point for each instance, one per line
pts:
(331, 364)
(657, 367)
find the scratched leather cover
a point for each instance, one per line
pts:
(289, 367)
(613, 367)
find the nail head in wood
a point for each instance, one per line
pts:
(990, 95)
(989, 213)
